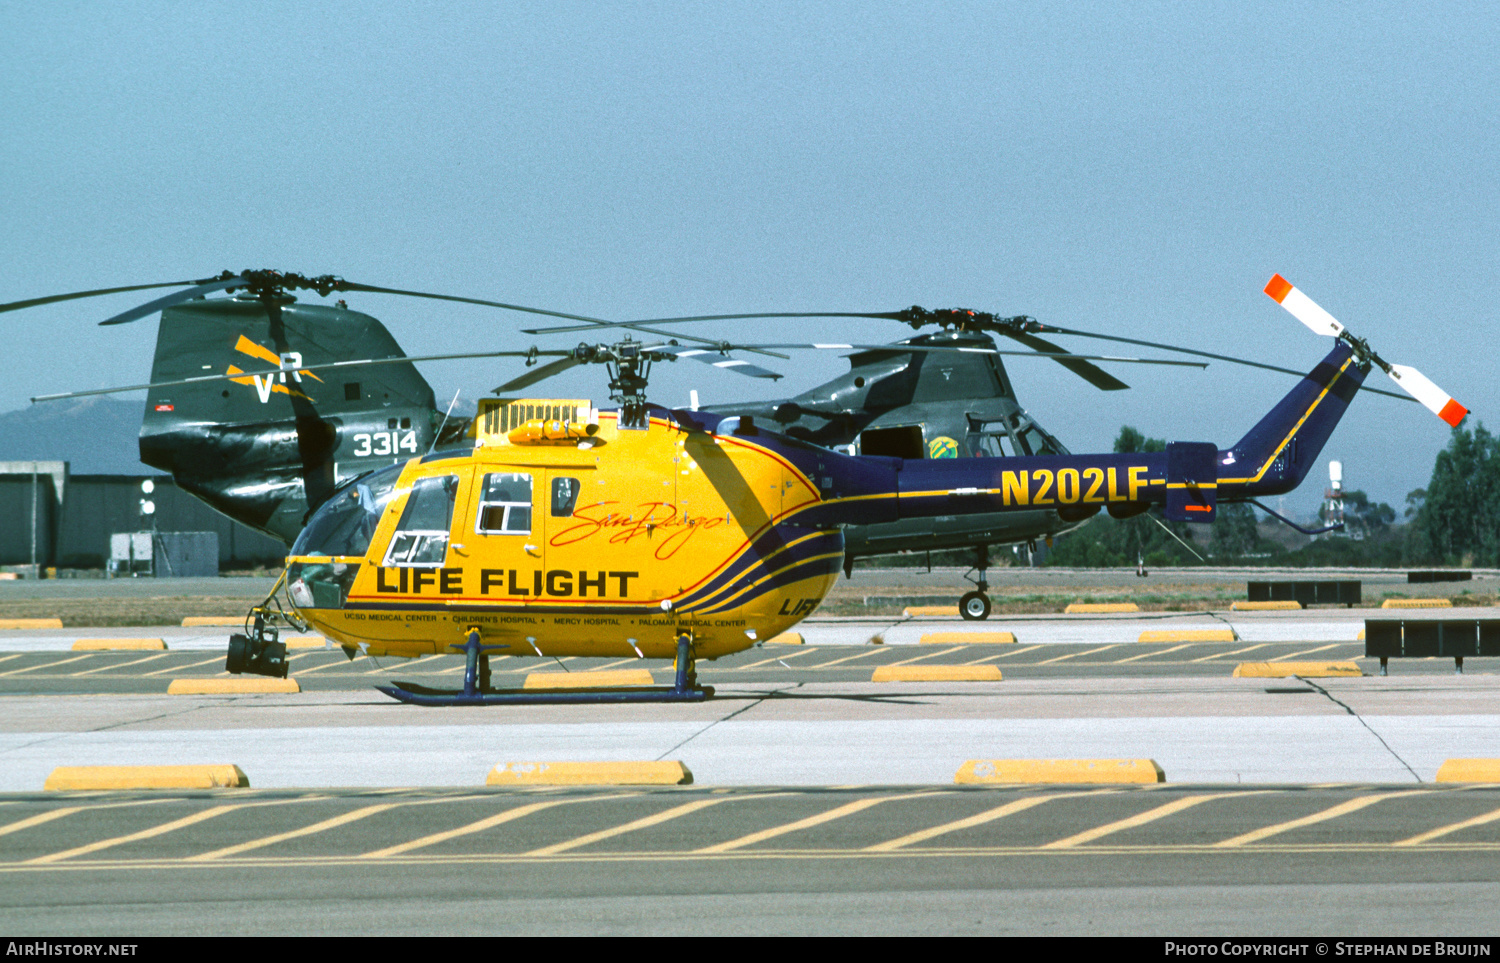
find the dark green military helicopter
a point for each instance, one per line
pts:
(263, 406)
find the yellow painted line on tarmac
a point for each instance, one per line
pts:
(1001, 655)
(319, 827)
(481, 825)
(988, 816)
(406, 664)
(648, 821)
(838, 812)
(7, 658)
(1431, 834)
(40, 818)
(1333, 812)
(847, 658)
(121, 665)
(61, 811)
(919, 658)
(1150, 655)
(179, 668)
(1141, 819)
(154, 831)
(778, 658)
(1293, 655)
(338, 663)
(1074, 655)
(782, 856)
(46, 665)
(968, 638)
(1226, 655)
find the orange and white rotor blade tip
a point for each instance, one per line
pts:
(1302, 307)
(1433, 398)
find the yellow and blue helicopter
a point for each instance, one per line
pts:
(667, 533)
(261, 406)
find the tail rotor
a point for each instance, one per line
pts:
(1409, 379)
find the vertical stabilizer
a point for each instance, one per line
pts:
(1277, 453)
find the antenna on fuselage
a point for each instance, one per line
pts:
(443, 423)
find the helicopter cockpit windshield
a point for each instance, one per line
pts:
(345, 525)
(1004, 439)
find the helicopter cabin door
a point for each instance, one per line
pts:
(505, 540)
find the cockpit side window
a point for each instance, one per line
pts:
(1034, 441)
(564, 496)
(505, 505)
(990, 440)
(421, 536)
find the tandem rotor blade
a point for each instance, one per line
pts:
(559, 329)
(720, 360)
(590, 324)
(99, 292)
(278, 372)
(176, 297)
(1091, 373)
(900, 348)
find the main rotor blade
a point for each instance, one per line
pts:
(1091, 373)
(591, 324)
(176, 297)
(53, 299)
(892, 316)
(899, 348)
(276, 372)
(355, 286)
(720, 360)
(1053, 329)
(538, 374)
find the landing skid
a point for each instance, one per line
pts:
(476, 691)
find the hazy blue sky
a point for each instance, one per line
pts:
(1135, 168)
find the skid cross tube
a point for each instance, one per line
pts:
(474, 693)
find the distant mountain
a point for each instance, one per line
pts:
(96, 435)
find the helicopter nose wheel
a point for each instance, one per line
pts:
(975, 606)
